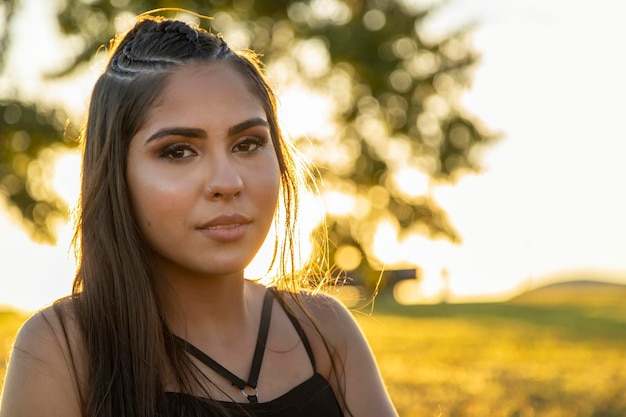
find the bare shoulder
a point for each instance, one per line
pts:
(41, 375)
(332, 318)
(355, 376)
(50, 333)
(324, 320)
(46, 326)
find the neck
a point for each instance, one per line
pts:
(197, 306)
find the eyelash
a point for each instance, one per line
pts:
(168, 151)
(250, 141)
(257, 142)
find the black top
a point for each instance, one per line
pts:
(312, 398)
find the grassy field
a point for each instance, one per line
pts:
(490, 360)
(497, 360)
(9, 324)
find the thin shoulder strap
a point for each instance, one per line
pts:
(296, 324)
(257, 359)
(261, 340)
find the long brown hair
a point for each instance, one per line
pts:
(119, 311)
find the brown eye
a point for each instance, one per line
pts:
(250, 144)
(177, 151)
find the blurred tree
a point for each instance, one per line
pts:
(397, 121)
(29, 137)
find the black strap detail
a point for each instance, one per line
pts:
(261, 340)
(257, 359)
(296, 324)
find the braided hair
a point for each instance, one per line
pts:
(177, 43)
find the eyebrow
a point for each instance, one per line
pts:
(176, 131)
(200, 133)
(240, 127)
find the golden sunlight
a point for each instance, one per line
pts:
(348, 257)
(310, 216)
(339, 203)
(66, 176)
(304, 112)
(412, 182)
(385, 246)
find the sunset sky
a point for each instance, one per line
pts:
(552, 196)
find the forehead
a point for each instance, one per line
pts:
(209, 72)
(208, 92)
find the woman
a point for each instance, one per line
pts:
(184, 172)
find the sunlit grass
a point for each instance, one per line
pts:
(500, 360)
(9, 324)
(496, 360)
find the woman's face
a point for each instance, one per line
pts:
(203, 173)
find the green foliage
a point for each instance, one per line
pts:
(395, 92)
(7, 9)
(28, 136)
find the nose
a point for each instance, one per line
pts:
(224, 181)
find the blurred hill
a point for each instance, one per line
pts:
(576, 293)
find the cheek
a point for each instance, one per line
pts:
(155, 198)
(267, 185)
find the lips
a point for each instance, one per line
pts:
(225, 221)
(226, 228)
(222, 226)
